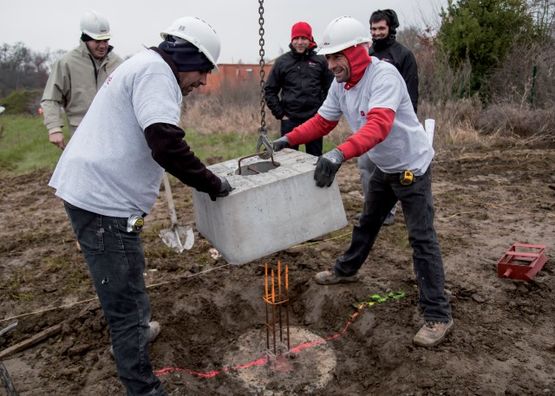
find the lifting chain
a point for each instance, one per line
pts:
(263, 142)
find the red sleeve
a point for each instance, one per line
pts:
(313, 129)
(378, 125)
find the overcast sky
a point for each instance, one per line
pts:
(42, 24)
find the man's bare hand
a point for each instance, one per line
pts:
(57, 139)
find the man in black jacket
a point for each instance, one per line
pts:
(383, 26)
(298, 84)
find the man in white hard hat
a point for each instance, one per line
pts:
(383, 27)
(75, 79)
(373, 97)
(109, 176)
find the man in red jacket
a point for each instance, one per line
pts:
(383, 26)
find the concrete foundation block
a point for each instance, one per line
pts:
(270, 211)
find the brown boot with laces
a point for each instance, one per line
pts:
(432, 333)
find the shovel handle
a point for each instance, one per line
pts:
(169, 198)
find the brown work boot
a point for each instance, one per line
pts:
(432, 333)
(331, 278)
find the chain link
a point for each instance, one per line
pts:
(263, 142)
(261, 52)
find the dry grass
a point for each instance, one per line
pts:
(210, 114)
(521, 120)
(467, 123)
(231, 110)
(237, 111)
(463, 122)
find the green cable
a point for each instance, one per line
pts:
(379, 299)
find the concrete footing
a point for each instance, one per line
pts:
(269, 211)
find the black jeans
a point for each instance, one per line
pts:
(366, 168)
(383, 192)
(314, 147)
(116, 263)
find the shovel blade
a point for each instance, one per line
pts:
(178, 238)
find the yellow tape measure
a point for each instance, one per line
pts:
(406, 178)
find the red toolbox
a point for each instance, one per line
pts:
(522, 261)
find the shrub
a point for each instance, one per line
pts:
(527, 76)
(481, 32)
(22, 102)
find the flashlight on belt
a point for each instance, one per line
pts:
(406, 178)
(135, 223)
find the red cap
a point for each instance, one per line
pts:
(301, 29)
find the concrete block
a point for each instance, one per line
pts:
(270, 211)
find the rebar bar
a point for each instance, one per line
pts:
(276, 298)
(266, 305)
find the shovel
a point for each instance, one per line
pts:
(177, 237)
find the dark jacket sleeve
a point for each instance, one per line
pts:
(327, 78)
(172, 153)
(271, 92)
(409, 71)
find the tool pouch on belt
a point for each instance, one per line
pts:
(406, 178)
(135, 223)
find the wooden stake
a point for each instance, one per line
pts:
(31, 341)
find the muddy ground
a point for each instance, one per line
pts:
(503, 342)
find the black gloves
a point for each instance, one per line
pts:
(225, 189)
(280, 144)
(327, 166)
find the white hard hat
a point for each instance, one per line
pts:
(341, 33)
(95, 25)
(199, 33)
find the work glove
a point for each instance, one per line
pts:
(224, 191)
(280, 144)
(327, 166)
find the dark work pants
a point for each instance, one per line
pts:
(314, 147)
(383, 191)
(116, 263)
(366, 168)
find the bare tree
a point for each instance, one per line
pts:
(22, 68)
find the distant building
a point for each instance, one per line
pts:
(232, 75)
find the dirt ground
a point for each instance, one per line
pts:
(503, 342)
